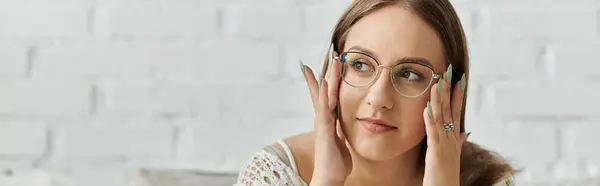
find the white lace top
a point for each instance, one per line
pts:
(271, 167)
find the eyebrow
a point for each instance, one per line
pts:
(418, 60)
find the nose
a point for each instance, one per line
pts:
(380, 96)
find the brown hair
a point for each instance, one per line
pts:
(478, 165)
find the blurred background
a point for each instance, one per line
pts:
(102, 92)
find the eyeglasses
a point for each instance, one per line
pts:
(410, 79)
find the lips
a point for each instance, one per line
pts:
(376, 125)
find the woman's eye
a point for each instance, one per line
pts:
(360, 66)
(409, 75)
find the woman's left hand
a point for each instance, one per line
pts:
(444, 139)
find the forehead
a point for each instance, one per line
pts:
(393, 33)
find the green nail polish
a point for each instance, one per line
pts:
(449, 74)
(331, 53)
(439, 86)
(463, 82)
(429, 108)
(468, 134)
(302, 67)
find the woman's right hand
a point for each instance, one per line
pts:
(330, 143)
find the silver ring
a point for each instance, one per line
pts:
(448, 127)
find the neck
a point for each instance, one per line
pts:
(405, 169)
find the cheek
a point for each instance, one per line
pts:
(350, 99)
(414, 104)
(411, 110)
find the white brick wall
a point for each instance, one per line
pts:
(92, 90)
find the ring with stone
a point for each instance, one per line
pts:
(448, 127)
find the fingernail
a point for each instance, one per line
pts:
(468, 134)
(429, 108)
(462, 82)
(331, 54)
(302, 67)
(449, 74)
(439, 87)
(320, 82)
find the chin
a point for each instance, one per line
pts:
(383, 147)
(375, 151)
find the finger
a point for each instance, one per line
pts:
(334, 81)
(341, 139)
(457, 104)
(444, 89)
(329, 62)
(339, 132)
(326, 122)
(436, 107)
(312, 83)
(430, 127)
(444, 92)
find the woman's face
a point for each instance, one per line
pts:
(390, 35)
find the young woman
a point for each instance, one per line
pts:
(389, 106)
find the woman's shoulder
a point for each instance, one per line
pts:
(481, 166)
(283, 162)
(302, 148)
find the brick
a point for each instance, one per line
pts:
(22, 139)
(568, 169)
(128, 3)
(33, 21)
(42, 3)
(270, 99)
(279, 127)
(185, 141)
(475, 97)
(23, 171)
(13, 60)
(29, 177)
(556, 20)
(501, 59)
(91, 171)
(321, 18)
(131, 142)
(44, 98)
(311, 52)
(147, 21)
(198, 101)
(224, 62)
(16, 163)
(160, 100)
(573, 61)
(532, 100)
(238, 3)
(209, 156)
(501, 136)
(262, 22)
(344, 3)
(123, 60)
(125, 100)
(467, 13)
(583, 137)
